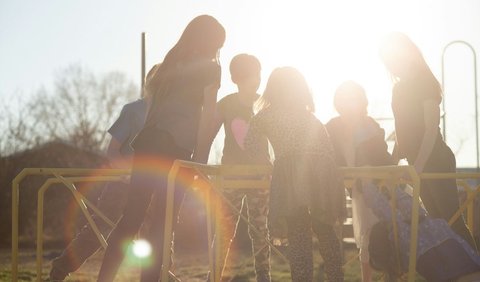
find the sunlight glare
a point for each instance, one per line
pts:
(141, 248)
(330, 42)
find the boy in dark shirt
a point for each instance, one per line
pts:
(234, 112)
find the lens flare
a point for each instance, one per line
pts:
(141, 248)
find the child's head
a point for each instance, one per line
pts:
(350, 100)
(245, 72)
(203, 37)
(287, 88)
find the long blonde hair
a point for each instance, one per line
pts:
(287, 88)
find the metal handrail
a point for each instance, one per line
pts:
(475, 93)
(44, 171)
(391, 175)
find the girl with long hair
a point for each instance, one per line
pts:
(416, 99)
(306, 190)
(184, 92)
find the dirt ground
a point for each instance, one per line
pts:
(190, 267)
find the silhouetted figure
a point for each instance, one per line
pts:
(184, 88)
(113, 197)
(358, 140)
(416, 97)
(306, 190)
(234, 112)
(442, 255)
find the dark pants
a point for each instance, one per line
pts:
(111, 202)
(446, 262)
(440, 196)
(300, 250)
(154, 156)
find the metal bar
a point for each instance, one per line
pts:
(454, 175)
(470, 198)
(390, 174)
(393, 203)
(475, 92)
(142, 58)
(78, 197)
(210, 235)
(412, 262)
(15, 202)
(219, 259)
(168, 228)
(40, 201)
(40, 208)
(16, 199)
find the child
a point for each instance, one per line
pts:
(306, 190)
(234, 112)
(416, 98)
(184, 93)
(113, 196)
(442, 255)
(358, 140)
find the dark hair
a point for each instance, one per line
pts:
(148, 78)
(397, 50)
(202, 37)
(244, 65)
(287, 88)
(350, 91)
(381, 250)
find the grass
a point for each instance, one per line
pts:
(190, 267)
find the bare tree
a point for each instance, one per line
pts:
(78, 110)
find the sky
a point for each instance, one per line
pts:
(328, 41)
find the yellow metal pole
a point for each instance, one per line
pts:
(15, 202)
(412, 263)
(466, 204)
(79, 198)
(40, 205)
(470, 199)
(40, 209)
(167, 239)
(208, 202)
(219, 259)
(16, 199)
(393, 202)
(40, 202)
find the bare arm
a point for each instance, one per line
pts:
(117, 160)
(432, 121)
(218, 120)
(206, 125)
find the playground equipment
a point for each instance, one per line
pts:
(218, 178)
(444, 117)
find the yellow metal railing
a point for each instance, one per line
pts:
(61, 175)
(218, 177)
(389, 176)
(222, 177)
(472, 192)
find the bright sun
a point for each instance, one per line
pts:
(329, 42)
